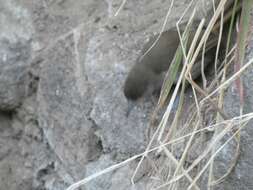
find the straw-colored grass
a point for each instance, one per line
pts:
(183, 132)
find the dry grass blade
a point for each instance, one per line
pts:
(240, 53)
(178, 113)
(168, 111)
(165, 117)
(213, 156)
(184, 136)
(162, 30)
(179, 165)
(228, 81)
(120, 8)
(230, 125)
(241, 42)
(204, 39)
(235, 121)
(156, 132)
(221, 102)
(233, 163)
(174, 66)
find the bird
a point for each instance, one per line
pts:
(147, 74)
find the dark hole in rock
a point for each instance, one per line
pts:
(46, 171)
(97, 19)
(115, 27)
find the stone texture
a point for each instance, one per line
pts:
(26, 162)
(63, 108)
(63, 67)
(15, 53)
(240, 178)
(112, 180)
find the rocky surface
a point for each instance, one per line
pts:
(63, 112)
(239, 178)
(15, 53)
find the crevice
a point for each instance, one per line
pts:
(95, 143)
(43, 174)
(56, 156)
(49, 169)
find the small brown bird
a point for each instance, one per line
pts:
(148, 73)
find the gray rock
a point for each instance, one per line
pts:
(124, 135)
(113, 180)
(15, 53)
(25, 161)
(63, 96)
(241, 176)
(74, 122)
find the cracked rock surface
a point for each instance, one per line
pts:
(62, 109)
(15, 53)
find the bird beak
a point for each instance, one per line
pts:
(130, 106)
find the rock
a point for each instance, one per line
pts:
(70, 120)
(240, 178)
(124, 135)
(15, 53)
(113, 180)
(23, 155)
(63, 96)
